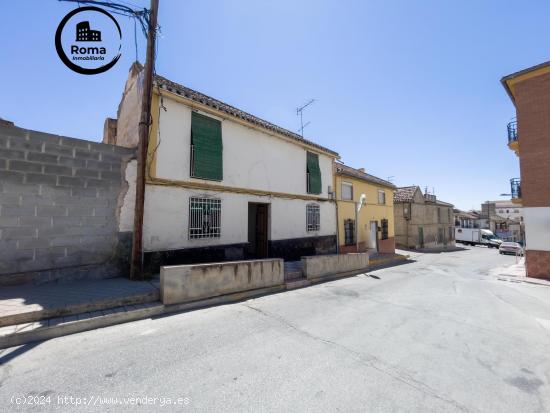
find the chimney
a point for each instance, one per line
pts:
(361, 170)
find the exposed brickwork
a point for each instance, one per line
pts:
(538, 264)
(58, 205)
(533, 114)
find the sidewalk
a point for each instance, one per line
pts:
(516, 272)
(28, 303)
(378, 260)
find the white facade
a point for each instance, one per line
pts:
(167, 217)
(253, 160)
(537, 228)
(509, 210)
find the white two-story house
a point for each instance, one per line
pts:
(222, 184)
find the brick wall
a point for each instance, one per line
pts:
(533, 113)
(60, 205)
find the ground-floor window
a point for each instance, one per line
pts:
(384, 225)
(349, 232)
(440, 235)
(313, 217)
(204, 217)
(451, 234)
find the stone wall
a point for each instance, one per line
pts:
(60, 205)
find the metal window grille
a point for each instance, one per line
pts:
(204, 218)
(349, 231)
(313, 217)
(384, 225)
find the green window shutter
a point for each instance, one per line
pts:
(206, 141)
(314, 174)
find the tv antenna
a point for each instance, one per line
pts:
(300, 112)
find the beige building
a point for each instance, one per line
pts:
(421, 220)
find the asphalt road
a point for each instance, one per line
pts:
(441, 334)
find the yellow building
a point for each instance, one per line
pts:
(372, 228)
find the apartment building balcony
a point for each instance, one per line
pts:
(513, 141)
(515, 187)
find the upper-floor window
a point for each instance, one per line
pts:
(206, 148)
(204, 217)
(347, 191)
(449, 215)
(438, 215)
(313, 217)
(381, 197)
(313, 174)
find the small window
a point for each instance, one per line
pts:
(313, 217)
(381, 197)
(349, 231)
(516, 211)
(204, 218)
(384, 225)
(347, 191)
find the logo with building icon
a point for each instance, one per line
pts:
(84, 50)
(85, 34)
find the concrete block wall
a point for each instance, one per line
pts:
(60, 203)
(328, 265)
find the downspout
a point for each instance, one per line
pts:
(337, 229)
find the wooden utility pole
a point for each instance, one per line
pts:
(136, 268)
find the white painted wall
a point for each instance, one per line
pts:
(537, 228)
(251, 159)
(167, 217)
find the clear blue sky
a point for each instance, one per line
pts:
(408, 89)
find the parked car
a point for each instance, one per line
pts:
(510, 248)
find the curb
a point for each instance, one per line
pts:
(17, 335)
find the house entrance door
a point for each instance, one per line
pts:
(258, 218)
(373, 236)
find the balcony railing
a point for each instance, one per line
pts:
(515, 186)
(512, 131)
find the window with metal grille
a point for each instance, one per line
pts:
(204, 218)
(347, 191)
(349, 231)
(381, 197)
(313, 217)
(384, 225)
